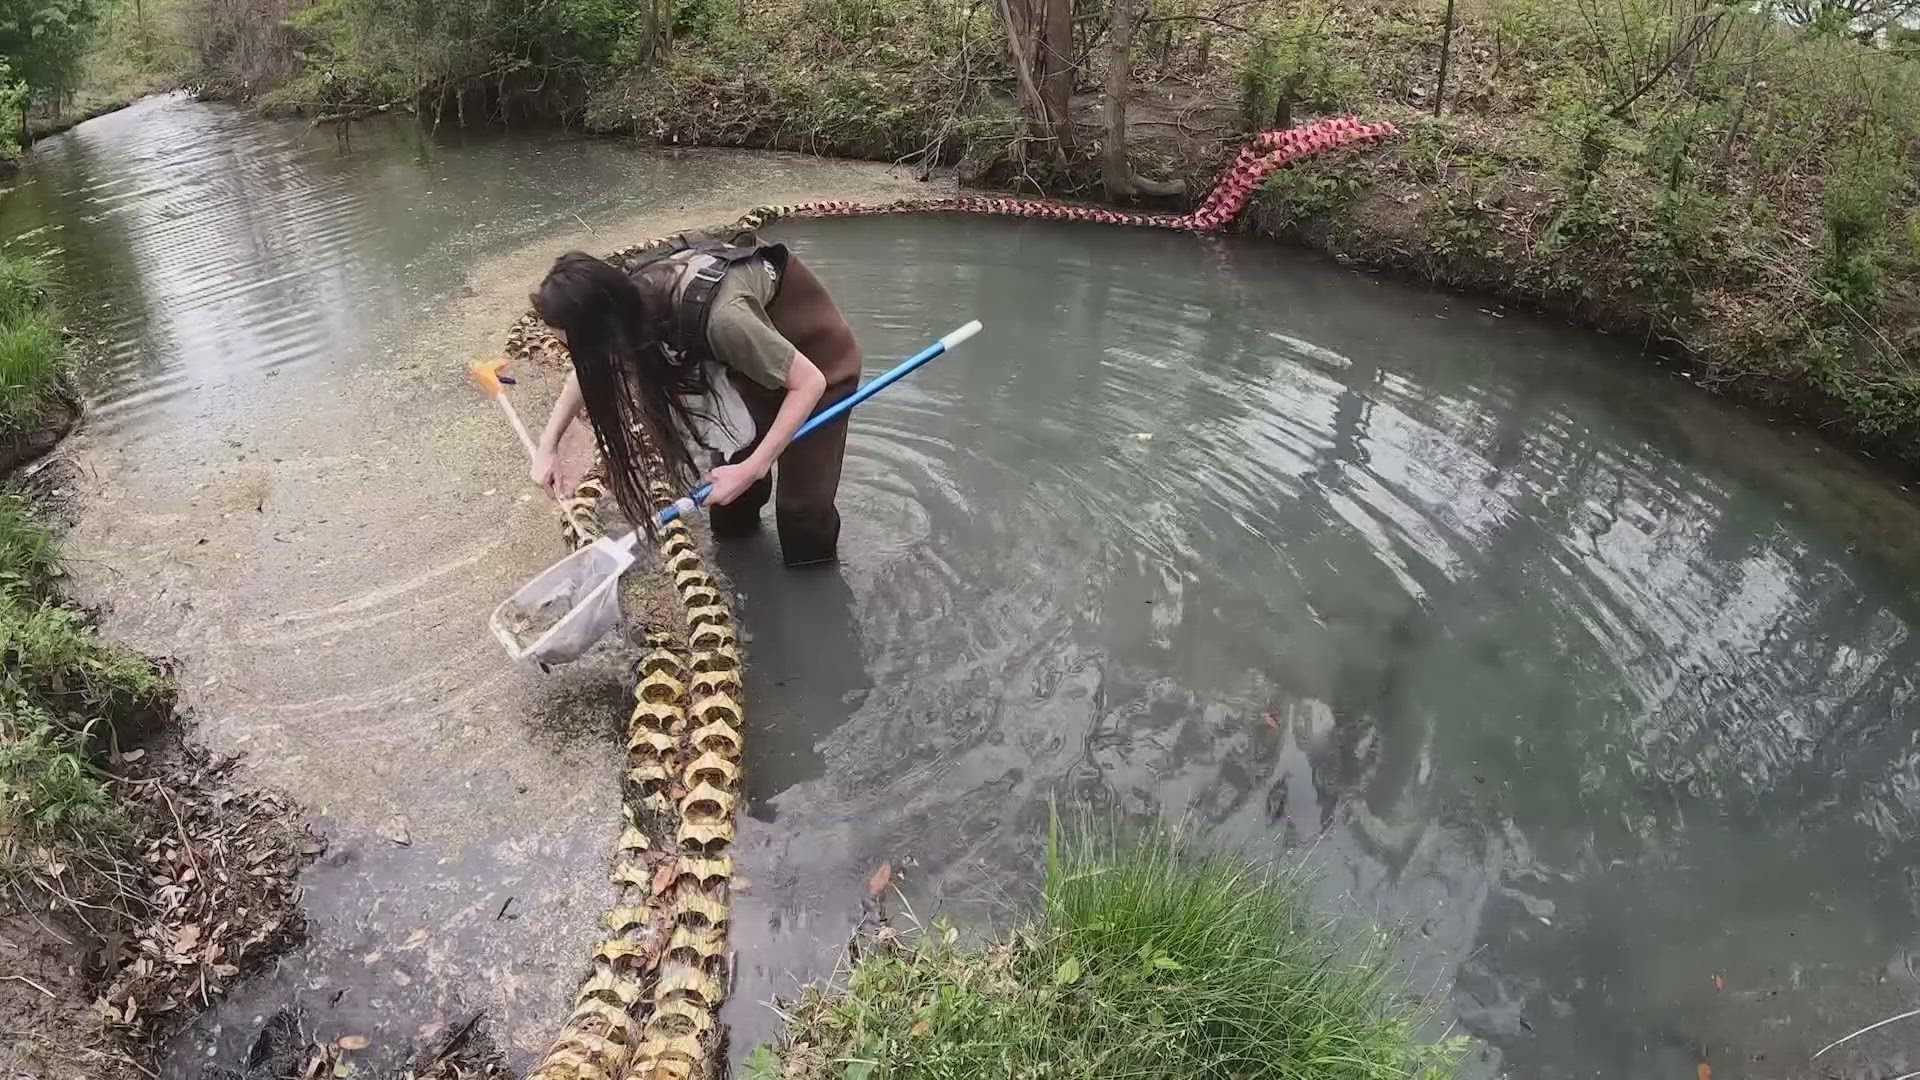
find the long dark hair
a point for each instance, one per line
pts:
(631, 381)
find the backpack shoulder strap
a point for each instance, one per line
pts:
(695, 306)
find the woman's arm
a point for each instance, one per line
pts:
(805, 386)
(546, 456)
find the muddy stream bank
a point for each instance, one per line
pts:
(1601, 689)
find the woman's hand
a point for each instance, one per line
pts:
(732, 481)
(545, 471)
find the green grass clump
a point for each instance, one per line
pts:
(63, 691)
(32, 355)
(1145, 960)
(29, 561)
(23, 287)
(51, 792)
(49, 655)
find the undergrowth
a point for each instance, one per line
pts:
(874, 79)
(66, 696)
(32, 355)
(1144, 959)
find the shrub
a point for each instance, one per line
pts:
(1856, 206)
(1296, 63)
(1311, 190)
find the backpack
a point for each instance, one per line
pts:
(686, 329)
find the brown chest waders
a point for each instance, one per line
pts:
(803, 484)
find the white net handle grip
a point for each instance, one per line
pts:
(960, 335)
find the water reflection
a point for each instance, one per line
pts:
(1601, 687)
(215, 248)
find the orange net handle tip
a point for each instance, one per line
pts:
(486, 376)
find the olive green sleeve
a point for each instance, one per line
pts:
(743, 338)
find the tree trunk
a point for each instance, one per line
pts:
(656, 29)
(1446, 55)
(649, 19)
(1026, 41)
(1056, 77)
(1116, 172)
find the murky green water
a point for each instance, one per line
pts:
(1605, 690)
(1601, 689)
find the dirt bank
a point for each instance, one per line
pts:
(319, 550)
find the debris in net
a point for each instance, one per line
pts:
(529, 624)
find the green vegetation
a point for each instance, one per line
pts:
(63, 692)
(1144, 960)
(42, 45)
(33, 391)
(381, 52)
(1734, 179)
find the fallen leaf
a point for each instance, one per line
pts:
(921, 1028)
(132, 756)
(186, 937)
(352, 1042)
(1067, 973)
(395, 830)
(415, 940)
(878, 883)
(1719, 983)
(663, 879)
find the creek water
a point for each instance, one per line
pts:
(1600, 690)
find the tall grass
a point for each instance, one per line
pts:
(1145, 959)
(29, 562)
(51, 792)
(63, 691)
(32, 356)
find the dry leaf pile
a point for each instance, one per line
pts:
(219, 863)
